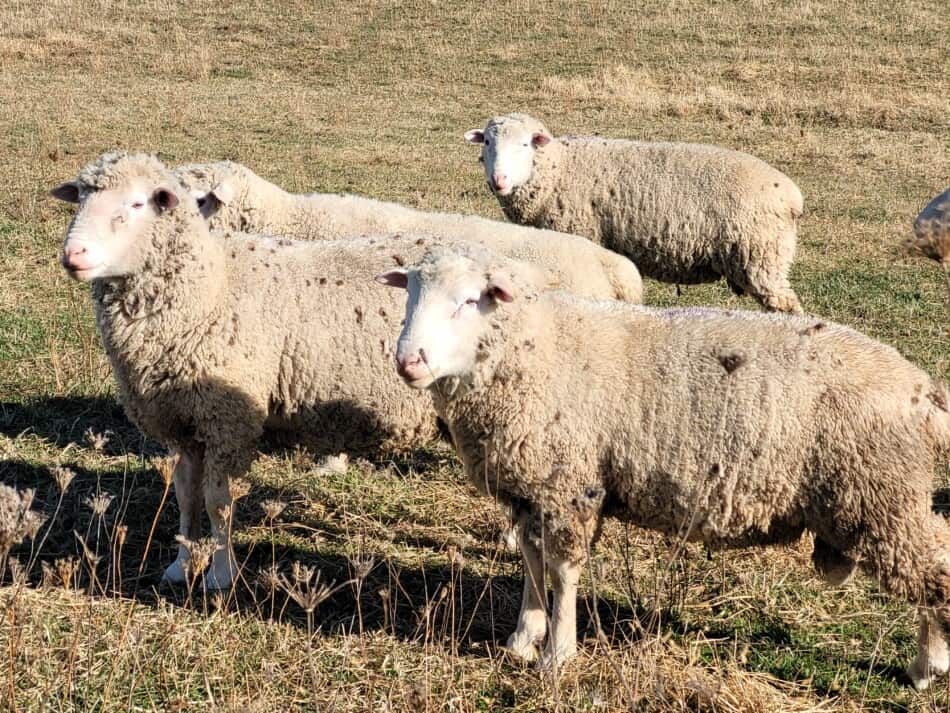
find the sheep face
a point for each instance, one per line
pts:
(214, 190)
(508, 146)
(446, 317)
(109, 235)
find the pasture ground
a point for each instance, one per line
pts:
(849, 98)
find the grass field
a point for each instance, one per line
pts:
(849, 98)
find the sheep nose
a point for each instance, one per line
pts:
(411, 366)
(499, 182)
(76, 257)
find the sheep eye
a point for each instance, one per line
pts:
(471, 301)
(138, 205)
(202, 201)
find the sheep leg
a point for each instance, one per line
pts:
(562, 641)
(219, 468)
(933, 657)
(532, 621)
(187, 479)
(782, 299)
(768, 282)
(911, 559)
(509, 538)
(833, 565)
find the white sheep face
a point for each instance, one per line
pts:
(214, 193)
(107, 236)
(446, 318)
(508, 153)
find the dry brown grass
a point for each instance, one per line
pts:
(848, 98)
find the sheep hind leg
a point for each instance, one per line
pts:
(834, 566)
(187, 479)
(769, 285)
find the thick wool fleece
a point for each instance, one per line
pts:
(260, 206)
(732, 428)
(684, 213)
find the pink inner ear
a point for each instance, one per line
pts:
(540, 140)
(501, 294)
(475, 136)
(393, 278)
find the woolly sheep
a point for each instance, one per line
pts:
(684, 213)
(932, 231)
(734, 428)
(215, 338)
(232, 196)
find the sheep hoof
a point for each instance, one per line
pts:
(508, 540)
(174, 573)
(555, 659)
(522, 647)
(925, 669)
(219, 577)
(919, 673)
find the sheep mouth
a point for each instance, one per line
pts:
(421, 382)
(85, 274)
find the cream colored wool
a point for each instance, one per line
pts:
(248, 202)
(219, 338)
(684, 213)
(732, 428)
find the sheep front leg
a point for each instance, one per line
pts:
(220, 468)
(933, 657)
(562, 641)
(532, 621)
(187, 478)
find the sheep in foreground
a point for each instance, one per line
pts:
(733, 428)
(684, 213)
(233, 197)
(215, 339)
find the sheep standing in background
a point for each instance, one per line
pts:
(932, 231)
(215, 339)
(684, 213)
(733, 428)
(233, 197)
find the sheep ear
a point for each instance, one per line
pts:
(68, 192)
(223, 192)
(165, 198)
(396, 277)
(539, 140)
(475, 136)
(500, 289)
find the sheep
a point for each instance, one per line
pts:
(932, 231)
(217, 338)
(684, 213)
(232, 196)
(733, 428)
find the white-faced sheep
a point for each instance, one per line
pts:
(233, 197)
(684, 213)
(733, 428)
(215, 338)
